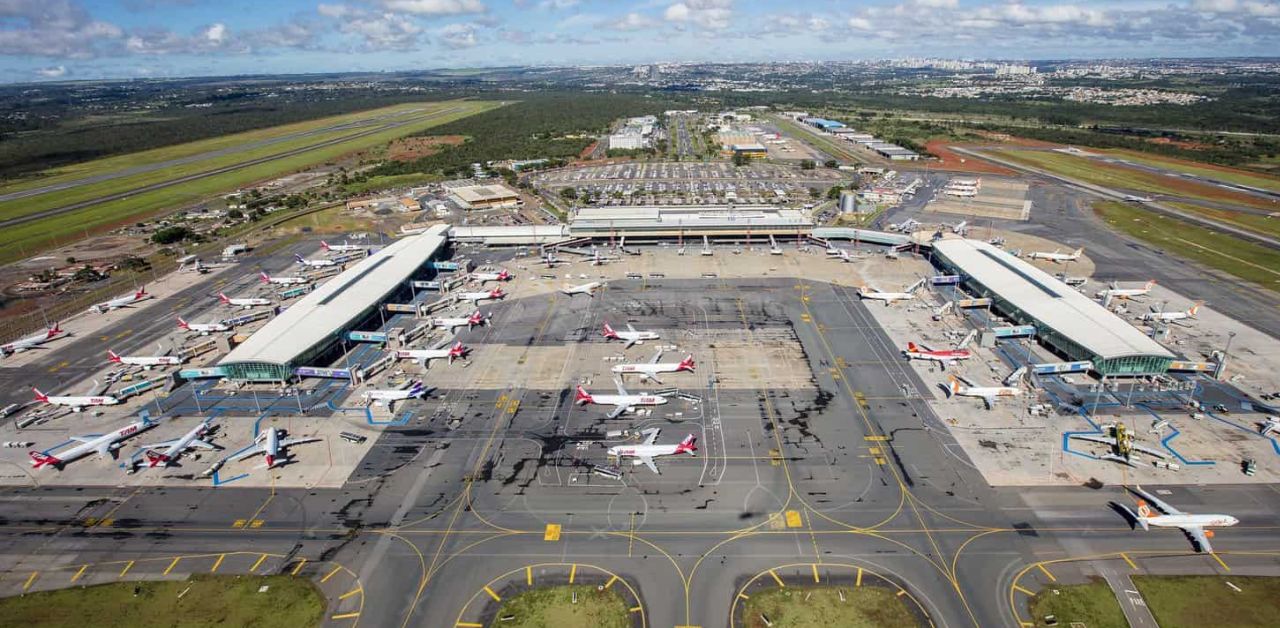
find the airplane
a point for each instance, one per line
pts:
(244, 302)
(76, 403)
(204, 329)
(944, 358)
(423, 356)
(651, 369)
(476, 297)
(119, 302)
(623, 401)
(550, 260)
(281, 281)
(599, 260)
(476, 318)
(1172, 316)
(1191, 525)
(146, 362)
(340, 248)
(1272, 424)
(414, 391)
(842, 254)
(1057, 256)
(889, 298)
(588, 289)
(631, 336)
(1126, 293)
(645, 452)
(174, 448)
(314, 263)
(1121, 445)
(33, 341)
(501, 275)
(987, 393)
(1138, 199)
(103, 444)
(270, 445)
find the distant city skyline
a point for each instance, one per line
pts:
(85, 39)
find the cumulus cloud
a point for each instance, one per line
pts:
(52, 28)
(57, 71)
(381, 30)
(708, 14)
(458, 36)
(435, 7)
(214, 38)
(632, 22)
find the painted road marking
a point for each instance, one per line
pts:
(1046, 572)
(467, 624)
(238, 523)
(875, 439)
(298, 568)
(902, 592)
(815, 573)
(79, 573)
(346, 615)
(573, 571)
(776, 578)
(1020, 589)
(258, 563)
(793, 519)
(351, 593)
(858, 582)
(106, 523)
(126, 569)
(528, 577)
(171, 566)
(30, 579)
(256, 523)
(330, 575)
(495, 596)
(217, 563)
(607, 584)
(635, 609)
(552, 533)
(1128, 560)
(744, 596)
(1219, 559)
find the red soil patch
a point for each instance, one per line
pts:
(1179, 143)
(1013, 140)
(586, 152)
(949, 160)
(410, 148)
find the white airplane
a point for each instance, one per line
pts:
(989, 394)
(244, 302)
(631, 336)
(476, 318)
(281, 281)
(76, 403)
(889, 298)
(842, 254)
(204, 329)
(1272, 424)
(1138, 199)
(146, 362)
(1191, 525)
(34, 340)
(414, 391)
(423, 356)
(124, 301)
(651, 369)
(599, 260)
(102, 444)
(340, 248)
(588, 289)
(550, 260)
(1057, 256)
(623, 401)
(270, 445)
(1172, 316)
(944, 357)
(501, 275)
(174, 448)
(645, 452)
(314, 263)
(1126, 293)
(475, 297)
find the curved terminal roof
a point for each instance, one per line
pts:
(1054, 304)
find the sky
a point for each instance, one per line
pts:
(44, 40)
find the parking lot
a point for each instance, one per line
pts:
(693, 183)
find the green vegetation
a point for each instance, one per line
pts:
(1253, 222)
(363, 184)
(553, 607)
(810, 136)
(1092, 604)
(1240, 177)
(208, 601)
(821, 607)
(172, 235)
(1194, 601)
(1246, 260)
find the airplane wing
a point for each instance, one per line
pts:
(630, 341)
(288, 442)
(163, 445)
(617, 412)
(106, 451)
(1093, 438)
(648, 462)
(202, 444)
(87, 438)
(967, 381)
(621, 391)
(252, 450)
(631, 328)
(657, 356)
(654, 378)
(1198, 538)
(989, 401)
(95, 389)
(1155, 502)
(1150, 452)
(651, 435)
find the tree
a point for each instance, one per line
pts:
(235, 214)
(815, 193)
(87, 275)
(170, 235)
(830, 163)
(569, 193)
(834, 192)
(71, 260)
(808, 164)
(133, 263)
(740, 159)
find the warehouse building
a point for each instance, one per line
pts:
(823, 123)
(311, 330)
(487, 196)
(1066, 320)
(751, 151)
(894, 152)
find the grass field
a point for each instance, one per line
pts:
(1251, 222)
(812, 137)
(1221, 173)
(820, 607)
(1116, 176)
(21, 240)
(1195, 601)
(1093, 605)
(1252, 262)
(208, 601)
(553, 607)
(384, 182)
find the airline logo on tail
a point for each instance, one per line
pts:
(496, 293)
(476, 318)
(155, 459)
(457, 351)
(264, 277)
(610, 333)
(687, 445)
(39, 459)
(111, 356)
(222, 297)
(583, 397)
(183, 324)
(54, 331)
(686, 364)
(41, 397)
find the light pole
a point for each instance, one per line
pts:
(1222, 362)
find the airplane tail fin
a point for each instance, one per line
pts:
(1194, 308)
(688, 445)
(1144, 514)
(609, 332)
(222, 297)
(183, 324)
(325, 245)
(1150, 284)
(1078, 252)
(56, 329)
(583, 397)
(111, 356)
(912, 348)
(954, 386)
(687, 364)
(142, 292)
(264, 277)
(39, 395)
(155, 459)
(40, 459)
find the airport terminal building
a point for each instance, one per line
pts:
(1065, 320)
(313, 327)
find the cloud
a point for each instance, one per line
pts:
(558, 5)
(708, 14)
(214, 38)
(381, 31)
(435, 7)
(57, 71)
(632, 22)
(52, 28)
(456, 36)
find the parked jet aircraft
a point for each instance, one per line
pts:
(204, 329)
(281, 281)
(1057, 256)
(1272, 424)
(1172, 316)
(104, 445)
(341, 248)
(314, 263)
(124, 301)
(423, 356)
(989, 394)
(146, 362)
(1191, 525)
(1138, 199)
(1121, 445)
(1126, 293)
(163, 454)
(588, 289)
(271, 446)
(651, 369)
(34, 340)
(76, 403)
(476, 318)
(944, 358)
(415, 390)
(244, 302)
(890, 298)
(631, 336)
(476, 297)
(645, 452)
(501, 275)
(622, 401)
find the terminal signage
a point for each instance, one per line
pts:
(1192, 366)
(945, 280)
(450, 266)
(973, 303)
(309, 371)
(408, 308)
(1062, 367)
(213, 371)
(427, 285)
(1014, 332)
(366, 336)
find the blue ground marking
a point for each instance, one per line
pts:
(1274, 445)
(1165, 441)
(218, 481)
(1084, 414)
